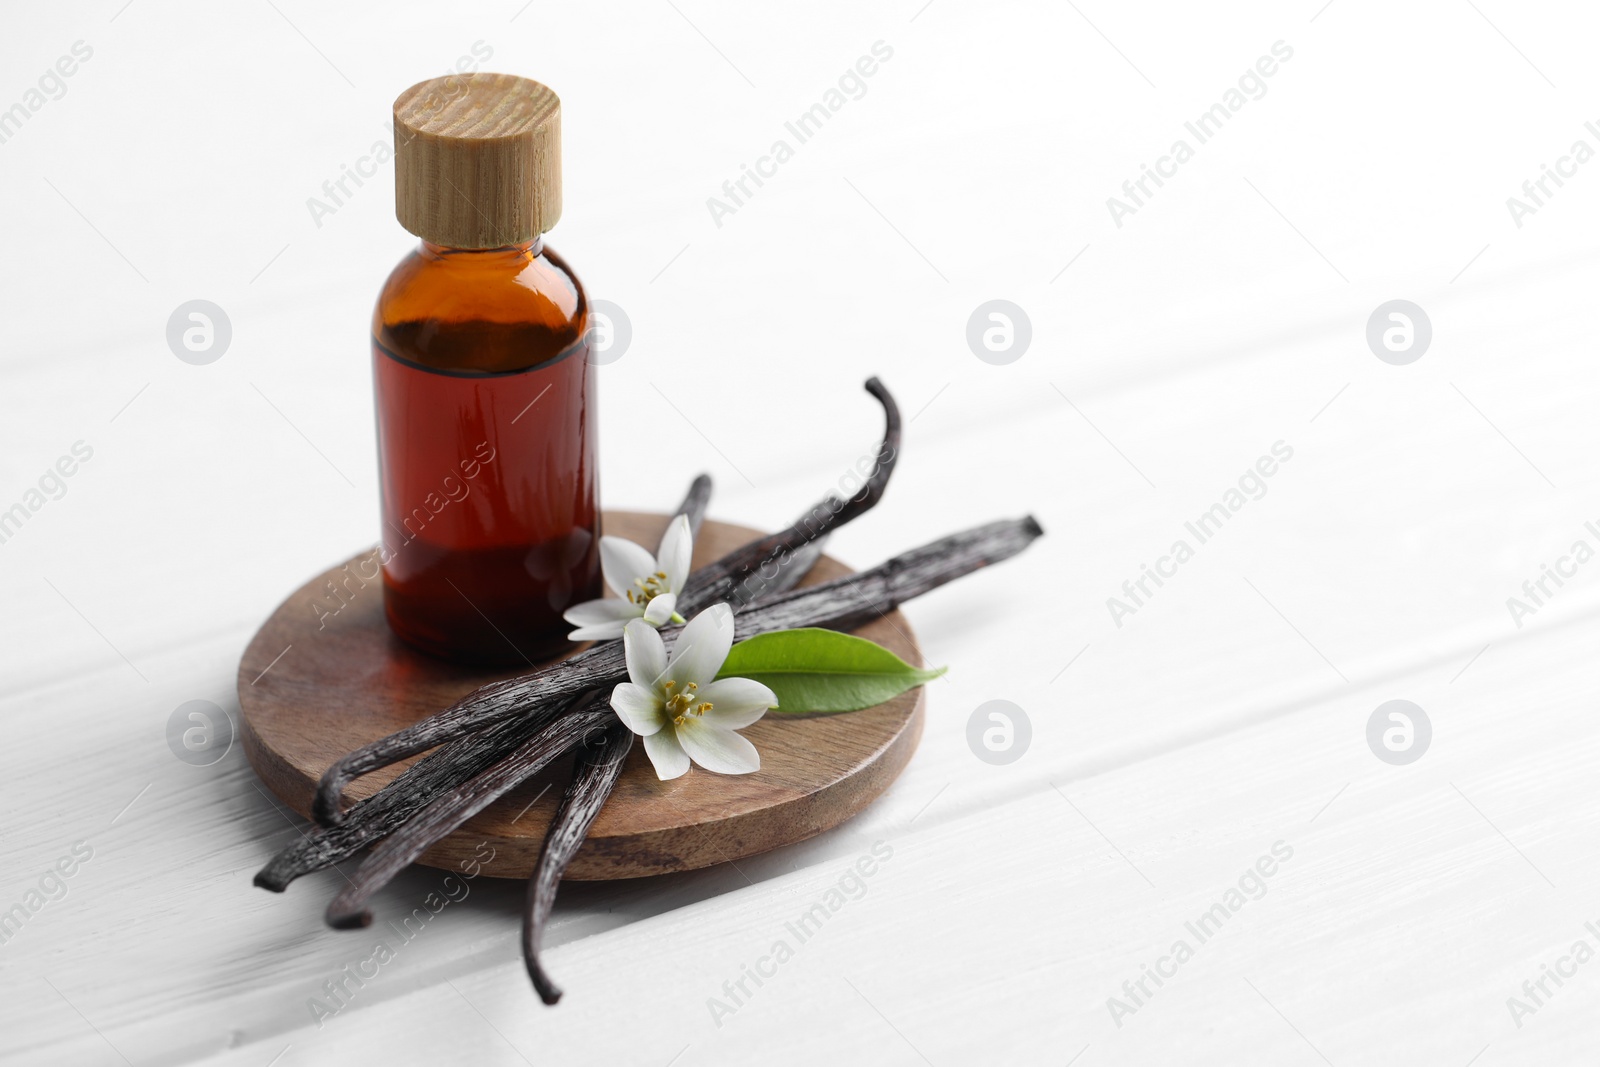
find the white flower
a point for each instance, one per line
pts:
(680, 707)
(647, 586)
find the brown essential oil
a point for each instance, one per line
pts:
(485, 392)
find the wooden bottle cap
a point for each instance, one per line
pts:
(477, 160)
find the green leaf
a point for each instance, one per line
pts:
(823, 671)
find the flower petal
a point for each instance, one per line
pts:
(666, 755)
(622, 561)
(717, 749)
(677, 545)
(659, 611)
(701, 647)
(646, 653)
(596, 612)
(602, 631)
(638, 708)
(736, 702)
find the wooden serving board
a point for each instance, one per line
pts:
(324, 675)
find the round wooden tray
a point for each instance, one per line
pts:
(314, 685)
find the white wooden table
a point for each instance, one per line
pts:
(1225, 716)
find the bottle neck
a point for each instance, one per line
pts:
(523, 251)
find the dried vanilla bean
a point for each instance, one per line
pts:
(325, 804)
(598, 767)
(372, 819)
(853, 601)
(446, 812)
(729, 578)
(722, 580)
(694, 504)
(842, 604)
(849, 601)
(781, 574)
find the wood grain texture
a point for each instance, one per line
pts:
(477, 160)
(345, 680)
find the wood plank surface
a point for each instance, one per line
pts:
(1172, 747)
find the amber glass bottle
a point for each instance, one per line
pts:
(485, 393)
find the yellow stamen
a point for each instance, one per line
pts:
(679, 706)
(649, 588)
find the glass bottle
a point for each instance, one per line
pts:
(485, 393)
